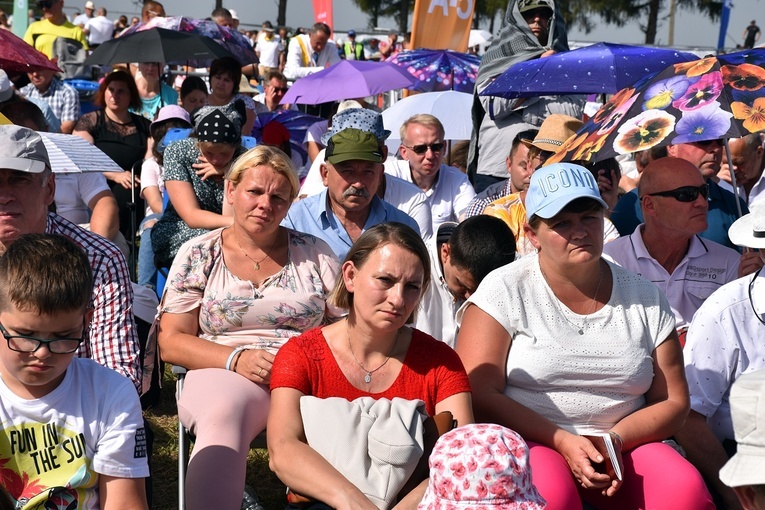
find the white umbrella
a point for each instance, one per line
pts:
(72, 154)
(479, 37)
(450, 107)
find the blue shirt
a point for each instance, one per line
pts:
(721, 215)
(312, 216)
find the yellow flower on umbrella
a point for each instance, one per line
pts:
(589, 148)
(616, 101)
(695, 67)
(570, 144)
(644, 131)
(743, 76)
(753, 116)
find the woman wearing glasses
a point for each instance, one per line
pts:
(562, 345)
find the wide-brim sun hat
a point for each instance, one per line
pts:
(749, 230)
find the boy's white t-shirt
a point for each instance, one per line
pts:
(90, 425)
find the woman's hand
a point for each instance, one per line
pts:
(205, 170)
(255, 365)
(123, 179)
(580, 454)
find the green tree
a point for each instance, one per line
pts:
(581, 13)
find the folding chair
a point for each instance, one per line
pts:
(184, 438)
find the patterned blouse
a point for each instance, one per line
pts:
(234, 312)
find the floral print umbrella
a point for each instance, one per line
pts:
(706, 99)
(438, 70)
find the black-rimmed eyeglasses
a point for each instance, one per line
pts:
(684, 193)
(28, 344)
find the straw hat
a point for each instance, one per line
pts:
(554, 131)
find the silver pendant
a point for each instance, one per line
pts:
(368, 378)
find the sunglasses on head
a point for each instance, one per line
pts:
(684, 193)
(423, 148)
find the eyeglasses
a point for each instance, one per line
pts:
(684, 193)
(423, 148)
(23, 343)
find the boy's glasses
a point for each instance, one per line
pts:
(684, 193)
(423, 148)
(23, 343)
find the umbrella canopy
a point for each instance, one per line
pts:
(72, 154)
(706, 99)
(450, 107)
(231, 39)
(437, 70)
(157, 45)
(347, 80)
(297, 123)
(16, 56)
(601, 68)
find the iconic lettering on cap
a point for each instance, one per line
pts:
(568, 177)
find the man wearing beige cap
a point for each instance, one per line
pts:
(745, 472)
(83, 18)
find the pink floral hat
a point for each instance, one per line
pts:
(481, 466)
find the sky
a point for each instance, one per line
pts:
(691, 29)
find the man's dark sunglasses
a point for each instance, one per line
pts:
(707, 143)
(423, 148)
(684, 193)
(283, 90)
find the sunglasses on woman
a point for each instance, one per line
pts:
(684, 193)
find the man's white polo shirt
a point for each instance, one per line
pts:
(705, 268)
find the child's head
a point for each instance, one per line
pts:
(477, 246)
(45, 287)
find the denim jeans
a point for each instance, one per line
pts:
(147, 271)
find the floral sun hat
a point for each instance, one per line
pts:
(481, 466)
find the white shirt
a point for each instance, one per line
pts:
(401, 194)
(724, 342)
(295, 68)
(268, 51)
(705, 268)
(100, 29)
(583, 383)
(450, 195)
(438, 307)
(75, 191)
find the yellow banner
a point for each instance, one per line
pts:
(442, 24)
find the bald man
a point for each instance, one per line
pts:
(667, 248)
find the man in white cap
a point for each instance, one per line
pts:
(83, 18)
(99, 29)
(745, 472)
(724, 342)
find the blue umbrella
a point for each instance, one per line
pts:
(439, 70)
(602, 68)
(297, 123)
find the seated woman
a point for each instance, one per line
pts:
(563, 344)
(225, 76)
(193, 174)
(155, 93)
(193, 93)
(233, 297)
(372, 353)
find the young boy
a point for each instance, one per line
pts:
(461, 256)
(72, 432)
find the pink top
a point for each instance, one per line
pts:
(431, 371)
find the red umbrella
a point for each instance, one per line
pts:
(16, 56)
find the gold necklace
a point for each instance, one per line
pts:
(368, 377)
(257, 262)
(580, 329)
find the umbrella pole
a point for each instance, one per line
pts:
(732, 176)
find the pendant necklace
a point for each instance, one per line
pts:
(368, 377)
(580, 329)
(257, 262)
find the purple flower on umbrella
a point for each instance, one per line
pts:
(708, 123)
(701, 93)
(644, 131)
(660, 95)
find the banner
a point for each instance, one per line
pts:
(724, 17)
(442, 24)
(322, 12)
(20, 17)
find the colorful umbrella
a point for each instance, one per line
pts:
(347, 80)
(16, 56)
(297, 123)
(707, 99)
(601, 68)
(235, 42)
(438, 70)
(157, 45)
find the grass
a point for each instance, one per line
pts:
(164, 462)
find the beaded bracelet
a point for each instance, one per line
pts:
(231, 357)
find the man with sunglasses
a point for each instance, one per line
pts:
(422, 148)
(42, 34)
(274, 89)
(667, 249)
(705, 155)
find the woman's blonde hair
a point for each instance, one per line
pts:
(373, 239)
(272, 157)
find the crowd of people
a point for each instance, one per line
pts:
(589, 332)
